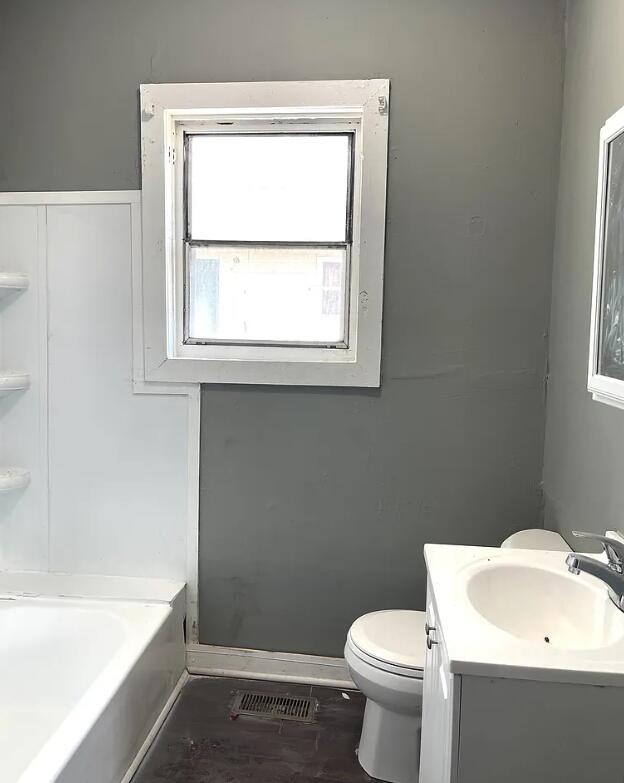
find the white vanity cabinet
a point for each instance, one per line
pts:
(440, 701)
(508, 729)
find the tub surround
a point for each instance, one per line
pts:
(112, 460)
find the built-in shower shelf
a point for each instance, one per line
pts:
(12, 381)
(13, 478)
(12, 282)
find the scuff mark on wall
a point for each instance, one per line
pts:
(476, 227)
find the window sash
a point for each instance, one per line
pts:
(288, 131)
(340, 345)
(188, 241)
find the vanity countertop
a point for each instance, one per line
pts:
(544, 608)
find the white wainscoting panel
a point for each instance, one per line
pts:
(117, 459)
(113, 459)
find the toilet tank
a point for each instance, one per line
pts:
(536, 539)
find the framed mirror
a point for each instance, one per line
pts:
(606, 350)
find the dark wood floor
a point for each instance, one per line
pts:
(198, 742)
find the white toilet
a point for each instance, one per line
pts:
(385, 653)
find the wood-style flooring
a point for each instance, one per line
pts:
(199, 743)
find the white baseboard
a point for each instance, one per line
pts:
(261, 665)
(155, 729)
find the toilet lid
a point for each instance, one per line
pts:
(536, 539)
(394, 636)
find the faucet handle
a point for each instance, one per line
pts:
(613, 548)
(572, 562)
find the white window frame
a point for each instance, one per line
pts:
(602, 387)
(167, 110)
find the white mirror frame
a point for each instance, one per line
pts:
(602, 388)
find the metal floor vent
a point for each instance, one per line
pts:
(277, 706)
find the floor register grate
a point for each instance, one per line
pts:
(276, 706)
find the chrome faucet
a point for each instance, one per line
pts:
(611, 572)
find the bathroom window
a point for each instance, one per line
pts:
(263, 232)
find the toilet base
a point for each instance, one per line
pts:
(390, 744)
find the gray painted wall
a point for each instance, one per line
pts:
(584, 453)
(315, 504)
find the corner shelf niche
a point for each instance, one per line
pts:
(12, 381)
(13, 478)
(12, 282)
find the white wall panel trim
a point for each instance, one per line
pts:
(217, 661)
(69, 197)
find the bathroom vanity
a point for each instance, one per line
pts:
(524, 671)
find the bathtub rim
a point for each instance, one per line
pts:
(94, 587)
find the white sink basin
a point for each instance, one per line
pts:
(548, 607)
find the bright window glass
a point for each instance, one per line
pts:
(266, 294)
(267, 238)
(269, 187)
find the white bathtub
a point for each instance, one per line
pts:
(82, 682)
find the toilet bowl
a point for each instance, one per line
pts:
(385, 653)
(536, 539)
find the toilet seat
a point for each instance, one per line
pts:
(392, 640)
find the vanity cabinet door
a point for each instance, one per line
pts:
(437, 747)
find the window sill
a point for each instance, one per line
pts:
(185, 370)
